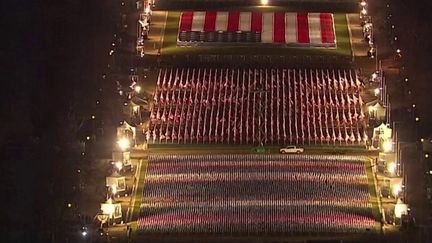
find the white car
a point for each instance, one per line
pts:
(291, 150)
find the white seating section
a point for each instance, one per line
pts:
(249, 106)
(290, 194)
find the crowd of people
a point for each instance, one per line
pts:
(255, 194)
(244, 106)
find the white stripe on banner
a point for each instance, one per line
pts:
(291, 28)
(314, 28)
(221, 21)
(245, 21)
(267, 27)
(198, 21)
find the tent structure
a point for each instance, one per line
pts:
(377, 112)
(122, 156)
(381, 133)
(400, 209)
(112, 210)
(117, 181)
(127, 131)
(385, 159)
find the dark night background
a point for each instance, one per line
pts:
(51, 60)
(53, 53)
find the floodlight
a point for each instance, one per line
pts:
(137, 88)
(123, 143)
(388, 146)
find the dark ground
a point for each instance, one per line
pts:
(53, 55)
(412, 22)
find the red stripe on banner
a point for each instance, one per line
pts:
(186, 21)
(279, 27)
(233, 21)
(327, 34)
(302, 28)
(256, 22)
(210, 21)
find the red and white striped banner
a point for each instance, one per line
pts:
(314, 29)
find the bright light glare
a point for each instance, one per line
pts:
(363, 3)
(137, 88)
(376, 91)
(374, 75)
(364, 12)
(84, 233)
(391, 167)
(135, 108)
(400, 209)
(388, 146)
(264, 2)
(118, 165)
(108, 208)
(123, 143)
(396, 190)
(371, 109)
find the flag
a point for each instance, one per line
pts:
(298, 29)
